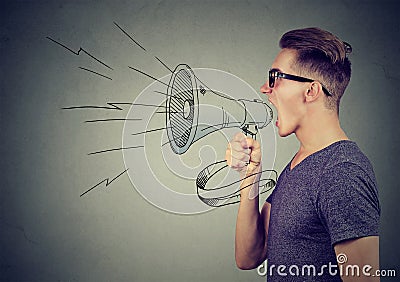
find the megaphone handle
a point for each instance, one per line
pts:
(250, 129)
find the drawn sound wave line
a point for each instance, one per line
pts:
(115, 149)
(79, 51)
(95, 72)
(113, 106)
(138, 44)
(130, 37)
(166, 94)
(167, 67)
(151, 130)
(112, 119)
(148, 75)
(107, 180)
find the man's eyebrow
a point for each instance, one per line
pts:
(275, 69)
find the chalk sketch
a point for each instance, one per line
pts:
(77, 53)
(183, 111)
(227, 194)
(187, 120)
(219, 116)
(107, 181)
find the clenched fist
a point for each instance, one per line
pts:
(244, 155)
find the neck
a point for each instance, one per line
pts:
(318, 130)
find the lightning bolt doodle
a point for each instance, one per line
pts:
(107, 181)
(77, 53)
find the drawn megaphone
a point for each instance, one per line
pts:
(193, 110)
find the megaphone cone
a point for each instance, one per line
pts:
(194, 110)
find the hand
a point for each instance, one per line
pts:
(243, 154)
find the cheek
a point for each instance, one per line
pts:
(290, 106)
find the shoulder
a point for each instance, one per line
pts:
(348, 179)
(348, 182)
(347, 154)
(348, 172)
(347, 194)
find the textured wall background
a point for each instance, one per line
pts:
(49, 233)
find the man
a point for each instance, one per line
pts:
(321, 221)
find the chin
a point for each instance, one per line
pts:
(284, 133)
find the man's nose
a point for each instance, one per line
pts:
(265, 88)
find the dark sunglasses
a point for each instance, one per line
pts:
(274, 73)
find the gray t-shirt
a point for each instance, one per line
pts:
(329, 197)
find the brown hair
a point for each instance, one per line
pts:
(323, 56)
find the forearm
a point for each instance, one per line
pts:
(243, 154)
(250, 241)
(360, 252)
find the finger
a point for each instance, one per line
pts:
(251, 143)
(254, 146)
(239, 165)
(235, 150)
(241, 157)
(232, 156)
(237, 147)
(247, 142)
(255, 155)
(238, 137)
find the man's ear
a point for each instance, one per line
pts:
(313, 91)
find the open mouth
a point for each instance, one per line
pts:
(277, 115)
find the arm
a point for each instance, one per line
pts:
(251, 234)
(244, 155)
(349, 203)
(360, 252)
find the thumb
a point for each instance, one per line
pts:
(254, 145)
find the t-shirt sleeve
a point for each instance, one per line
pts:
(348, 203)
(269, 198)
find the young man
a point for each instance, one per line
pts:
(321, 221)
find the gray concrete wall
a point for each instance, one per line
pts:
(50, 233)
